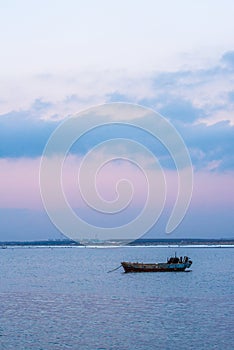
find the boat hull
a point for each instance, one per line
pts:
(160, 267)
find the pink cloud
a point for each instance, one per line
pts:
(19, 185)
(213, 189)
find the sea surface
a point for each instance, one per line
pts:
(64, 298)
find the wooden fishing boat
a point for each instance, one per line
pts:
(172, 264)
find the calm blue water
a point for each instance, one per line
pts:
(63, 298)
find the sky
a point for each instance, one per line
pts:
(59, 58)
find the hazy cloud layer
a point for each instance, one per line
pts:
(25, 134)
(204, 94)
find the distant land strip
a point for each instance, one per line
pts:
(138, 242)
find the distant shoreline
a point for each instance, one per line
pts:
(111, 243)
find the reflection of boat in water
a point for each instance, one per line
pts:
(172, 264)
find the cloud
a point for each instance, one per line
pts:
(231, 96)
(204, 93)
(210, 143)
(228, 59)
(24, 134)
(181, 110)
(117, 97)
(199, 103)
